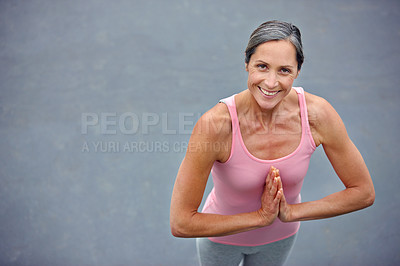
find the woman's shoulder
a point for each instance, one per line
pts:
(318, 107)
(314, 100)
(216, 123)
(321, 116)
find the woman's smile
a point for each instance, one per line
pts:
(267, 93)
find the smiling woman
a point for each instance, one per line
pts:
(272, 70)
(269, 132)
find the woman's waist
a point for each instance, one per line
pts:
(261, 236)
(235, 204)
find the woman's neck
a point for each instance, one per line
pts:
(250, 109)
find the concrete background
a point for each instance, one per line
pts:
(146, 70)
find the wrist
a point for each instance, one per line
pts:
(286, 214)
(291, 214)
(262, 219)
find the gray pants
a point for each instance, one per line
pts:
(211, 253)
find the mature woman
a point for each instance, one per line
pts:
(257, 145)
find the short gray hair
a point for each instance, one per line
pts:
(272, 31)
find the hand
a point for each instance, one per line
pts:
(285, 210)
(270, 198)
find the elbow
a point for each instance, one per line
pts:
(176, 231)
(370, 199)
(179, 228)
(181, 232)
(365, 197)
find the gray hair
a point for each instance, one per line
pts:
(272, 31)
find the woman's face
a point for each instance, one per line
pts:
(272, 70)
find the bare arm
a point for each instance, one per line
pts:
(185, 220)
(348, 165)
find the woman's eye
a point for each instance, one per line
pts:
(262, 66)
(285, 71)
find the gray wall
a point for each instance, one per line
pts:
(149, 68)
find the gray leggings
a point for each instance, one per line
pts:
(211, 253)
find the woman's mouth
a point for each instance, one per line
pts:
(268, 93)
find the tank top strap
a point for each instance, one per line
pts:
(230, 103)
(305, 126)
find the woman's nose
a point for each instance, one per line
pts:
(271, 80)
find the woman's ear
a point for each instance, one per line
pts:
(246, 65)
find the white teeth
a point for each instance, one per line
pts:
(268, 93)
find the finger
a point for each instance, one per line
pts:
(280, 185)
(282, 203)
(276, 171)
(274, 187)
(278, 197)
(271, 172)
(275, 184)
(270, 177)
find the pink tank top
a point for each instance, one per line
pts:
(239, 182)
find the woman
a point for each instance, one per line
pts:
(257, 145)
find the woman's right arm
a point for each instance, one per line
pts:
(185, 220)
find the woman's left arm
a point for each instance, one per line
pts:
(329, 130)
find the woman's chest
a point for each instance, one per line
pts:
(278, 140)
